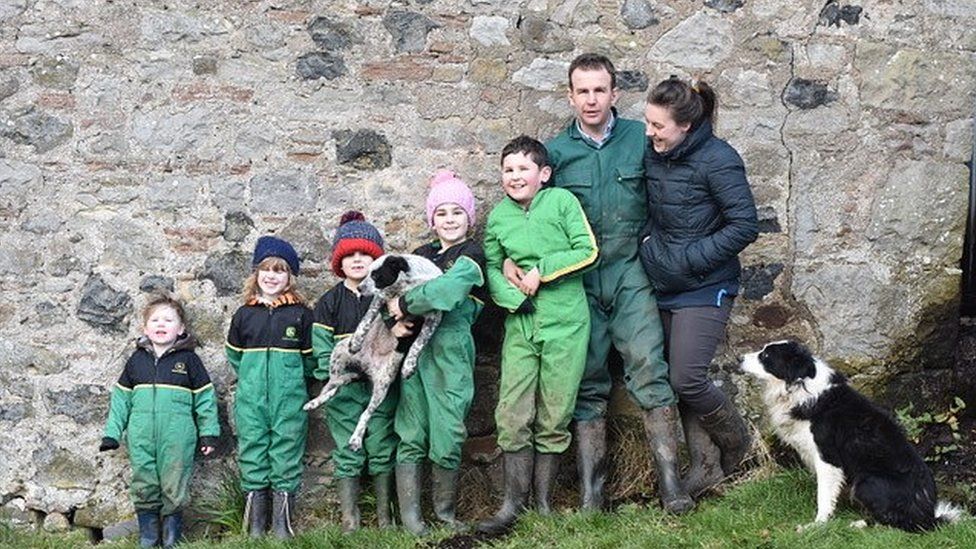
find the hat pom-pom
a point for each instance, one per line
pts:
(351, 215)
(442, 175)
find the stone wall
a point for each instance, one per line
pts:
(148, 144)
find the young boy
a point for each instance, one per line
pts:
(336, 315)
(163, 401)
(542, 236)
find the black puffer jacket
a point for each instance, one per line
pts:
(701, 213)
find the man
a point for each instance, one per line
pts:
(599, 158)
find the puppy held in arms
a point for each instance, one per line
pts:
(846, 439)
(371, 351)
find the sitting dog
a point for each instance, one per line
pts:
(845, 438)
(371, 351)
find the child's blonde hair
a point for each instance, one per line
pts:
(163, 300)
(252, 290)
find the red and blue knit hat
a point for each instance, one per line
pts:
(354, 235)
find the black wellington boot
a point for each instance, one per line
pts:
(518, 482)
(148, 528)
(705, 471)
(408, 478)
(172, 529)
(660, 424)
(256, 512)
(282, 509)
(445, 496)
(591, 450)
(730, 433)
(349, 503)
(543, 479)
(383, 488)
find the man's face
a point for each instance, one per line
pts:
(591, 94)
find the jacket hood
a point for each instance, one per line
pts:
(695, 138)
(183, 342)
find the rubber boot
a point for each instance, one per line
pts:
(383, 488)
(660, 424)
(408, 477)
(543, 478)
(349, 503)
(730, 433)
(172, 529)
(148, 528)
(445, 496)
(256, 512)
(591, 450)
(282, 509)
(518, 482)
(705, 471)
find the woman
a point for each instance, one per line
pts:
(701, 214)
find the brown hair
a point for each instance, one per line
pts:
(689, 103)
(163, 300)
(530, 147)
(592, 62)
(251, 289)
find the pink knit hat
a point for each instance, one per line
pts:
(448, 188)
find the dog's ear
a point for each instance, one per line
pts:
(389, 270)
(801, 364)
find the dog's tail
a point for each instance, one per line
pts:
(947, 513)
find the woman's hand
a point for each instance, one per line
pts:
(512, 272)
(530, 282)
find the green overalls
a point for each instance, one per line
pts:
(544, 349)
(162, 405)
(609, 182)
(270, 348)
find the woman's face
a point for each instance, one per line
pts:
(664, 133)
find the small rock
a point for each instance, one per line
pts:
(227, 271)
(320, 64)
(807, 94)
(282, 192)
(833, 13)
(363, 149)
(757, 280)
(409, 30)
(724, 6)
(102, 306)
(156, 283)
(8, 87)
(55, 72)
(329, 35)
(237, 225)
(638, 14)
(540, 35)
(489, 30)
(204, 64)
(768, 221)
(31, 127)
(120, 530)
(85, 404)
(632, 81)
(543, 74)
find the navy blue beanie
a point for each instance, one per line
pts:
(270, 246)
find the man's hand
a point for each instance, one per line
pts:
(512, 272)
(530, 282)
(402, 328)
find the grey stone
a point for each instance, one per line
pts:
(63, 265)
(758, 280)
(808, 94)
(227, 271)
(12, 8)
(8, 87)
(542, 36)
(907, 79)
(161, 27)
(330, 35)
(43, 222)
(167, 132)
(156, 283)
(47, 314)
(17, 181)
(204, 64)
(632, 81)
(363, 149)
(833, 13)
(32, 127)
(306, 235)
(320, 64)
(15, 410)
(725, 6)
(237, 225)
(489, 30)
(265, 36)
(62, 468)
(638, 14)
(55, 72)
(768, 220)
(283, 192)
(409, 30)
(543, 74)
(701, 41)
(85, 404)
(120, 530)
(102, 306)
(15, 511)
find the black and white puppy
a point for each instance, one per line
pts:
(371, 351)
(844, 438)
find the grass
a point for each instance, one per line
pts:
(761, 512)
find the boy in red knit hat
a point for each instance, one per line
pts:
(336, 315)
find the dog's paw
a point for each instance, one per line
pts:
(859, 524)
(808, 526)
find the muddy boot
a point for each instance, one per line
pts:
(383, 488)
(705, 471)
(256, 512)
(730, 433)
(543, 478)
(408, 477)
(282, 509)
(591, 449)
(172, 529)
(518, 482)
(348, 488)
(148, 528)
(445, 496)
(660, 424)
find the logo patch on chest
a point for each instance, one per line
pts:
(179, 368)
(291, 333)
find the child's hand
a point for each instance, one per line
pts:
(206, 450)
(393, 306)
(402, 328)
(530, 282)
(512, 272)
(108, 443)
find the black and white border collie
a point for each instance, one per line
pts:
(845, 438)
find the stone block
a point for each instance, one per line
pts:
(638, 14)
(409, 30)
(36, 128)
(227, 271)
(320, 64)
(363, 149)
(102, 306)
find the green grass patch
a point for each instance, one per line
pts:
(763, 512)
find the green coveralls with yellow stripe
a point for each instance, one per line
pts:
(270, 348)
(162, 405)
(544, 350)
